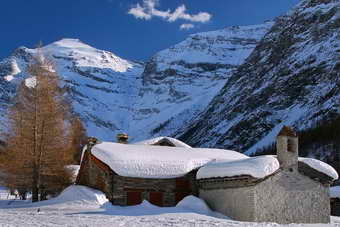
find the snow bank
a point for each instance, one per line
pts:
(176, 142)
(335, 192)
(320, 166)
(189, 205)
(158, 161)
(258, 167)
(193, 203)
(80, 194)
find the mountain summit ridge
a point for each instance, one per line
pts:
(114, 95)
(291, 78)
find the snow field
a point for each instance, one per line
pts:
(82, 206)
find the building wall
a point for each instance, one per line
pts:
(161, 192)
(130, 191)
(289, 197)
(335, 207)
(236, 203)
(95, 174)
(285, 197)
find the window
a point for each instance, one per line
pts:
(290, 145)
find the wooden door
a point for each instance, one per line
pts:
(134, 198)
(156, 198)
(181, 195)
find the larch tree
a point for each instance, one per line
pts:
(37, 144)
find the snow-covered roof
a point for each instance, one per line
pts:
(335, 192)
(258, 167)
(175, 142)
(145, 161)
(320, 166)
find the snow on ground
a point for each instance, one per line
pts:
(82, 206)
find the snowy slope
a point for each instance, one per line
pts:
(183, 79)
(291, 78)
(102, 86)
(115, 95)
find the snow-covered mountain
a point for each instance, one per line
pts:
(179, 82)
(103, 87)
(113, 95)
(291, 78)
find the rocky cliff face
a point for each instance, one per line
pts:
(179, 82)
(291, 78)
(113, 95)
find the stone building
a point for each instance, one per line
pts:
(295, 192)
(162, 170)
(335, 200)
(282, 188)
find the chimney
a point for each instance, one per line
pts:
(287, 148)
(122, 138)
(91, 141)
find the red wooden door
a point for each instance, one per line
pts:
(156, 198)
(134, 198)
(181, 195)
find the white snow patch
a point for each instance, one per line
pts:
(321, 167)
(193, 203)
(158, 161)
(74, 169)
(258, 167)
(78, 194)
(176, 142)
(9, 77)
(31, 82)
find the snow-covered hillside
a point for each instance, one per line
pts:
(115, 95)
(291, 78)
(102, 86)
(183, 79)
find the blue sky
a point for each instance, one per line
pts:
(151, 25)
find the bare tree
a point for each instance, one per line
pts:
(36, 153)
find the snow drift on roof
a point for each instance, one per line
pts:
(258, 167)
(158, 161)
(320, 166)
(174, 141)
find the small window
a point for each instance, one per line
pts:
(290, 145)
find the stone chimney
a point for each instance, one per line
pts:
(92, 141)
(287, 148)
(122, 138)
